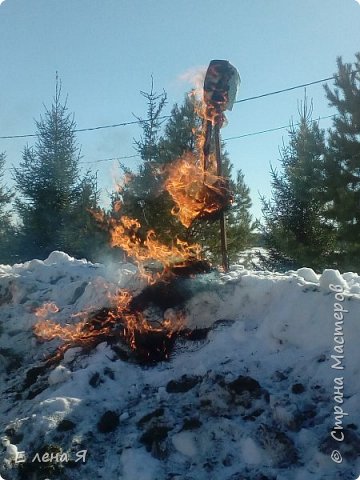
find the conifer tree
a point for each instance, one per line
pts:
(48, 180)
(342, 163)
(142, 197)
(82, 235)
(295, 230)
(7, 230)
(153, 205)
(180, 130)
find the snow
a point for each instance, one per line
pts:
(276, 328)
(59, 374)
(136, 464)
(308, 274)
(251, 454)
(331, 277)
(184, 442)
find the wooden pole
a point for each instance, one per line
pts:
(224, 254)
(207, 143)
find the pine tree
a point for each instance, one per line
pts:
(239, 220)
(7, 230)
(342, 163)
(142, 197)
(49, 182)
(295, 229)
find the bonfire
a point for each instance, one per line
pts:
(199, 191)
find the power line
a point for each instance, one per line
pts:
(291, 88)
(110, 159)
(272, 129)
(225, 140)
(97, 161)
(285, 89)
(123, 124)
(134, 122)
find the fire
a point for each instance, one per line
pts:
(48, 329)
(194, 181)
(46, 309)
(125, 234)
(135, 323)
(120, 322)
(197, 192)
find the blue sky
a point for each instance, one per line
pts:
(106, 51)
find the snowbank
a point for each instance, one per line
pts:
(256, 399)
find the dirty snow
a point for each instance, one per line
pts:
(254, 400)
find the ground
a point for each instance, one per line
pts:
(254, 397)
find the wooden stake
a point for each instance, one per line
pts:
(224, 253)
(207, 143)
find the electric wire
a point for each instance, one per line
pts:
(276, 92)
(163, 117)
(251, 134)
(274, 129)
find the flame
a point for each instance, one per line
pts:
(125, 232)
(135, 322)
(196, 192)
(193, 183)
(48, 329)
(121, 316)
(46, 309)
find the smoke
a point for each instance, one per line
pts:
(193, 76)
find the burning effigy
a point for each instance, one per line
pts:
(199, 191)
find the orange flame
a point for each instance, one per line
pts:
(136, 322)
(125, 233)
(196, 192)
(48, 329)
(192, 182)
(121, 315)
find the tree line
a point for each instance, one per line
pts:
(312, 217)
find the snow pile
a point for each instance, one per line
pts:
(257, 399)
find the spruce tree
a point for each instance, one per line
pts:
(7, 230)
(144, 198)
(180, 131)
(295, 230)
(49, 182)
(180, 136)
(342, 163)
(82, 236)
